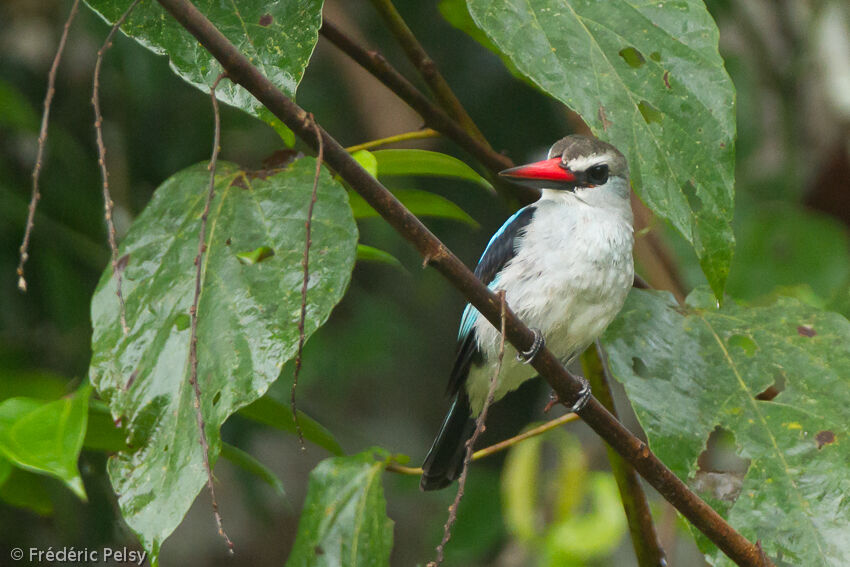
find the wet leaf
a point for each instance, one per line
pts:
(46, 437)
(247, 321)
(344, 521)
(688, 370)
(673, 115)
(277, 36)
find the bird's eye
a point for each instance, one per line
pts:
(598, 174)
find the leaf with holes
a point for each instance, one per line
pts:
(778, 379)
(345, 521)
(247, 320)
(277, 36)
(648, 78)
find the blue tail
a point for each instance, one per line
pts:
(445, 459)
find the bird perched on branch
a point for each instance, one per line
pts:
(565, 264)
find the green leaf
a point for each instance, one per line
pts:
(275, 414)
(344, 521)
(371, 254)
(248, 463)
(367, 161)
(423, 162)
(102, 433)
(648, 78)
(46, 437)
(420, 203)
(277, 36)
(688, 370)
(247, 321)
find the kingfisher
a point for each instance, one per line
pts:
(565, 265)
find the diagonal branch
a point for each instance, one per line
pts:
(427, 68)
(568, 387)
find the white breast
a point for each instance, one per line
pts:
(569, 279)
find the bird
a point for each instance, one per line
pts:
(565, 265)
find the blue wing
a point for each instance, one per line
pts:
(499, 251)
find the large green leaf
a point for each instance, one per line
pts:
(46, 437)
(277, 36)
(648, 78)
(344, 521)
(247, 320)
(690, 369)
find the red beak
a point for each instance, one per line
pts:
(546, 174)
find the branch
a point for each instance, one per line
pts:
(193, 311)
(305, 264)
(108, 204)
(427, 69)
(644, 539)
(433, 115)
(415, 135)
(568, 387)
(42, 142)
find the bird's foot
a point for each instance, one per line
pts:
(527, 356)
(581, 401)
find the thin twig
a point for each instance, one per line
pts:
(427, 68)
(470, 443)
(101, 160)
(645, 540)
(193, 338)
(414, 135)
(568, 387)
(305, 263)
(42, 142)
(497, 447)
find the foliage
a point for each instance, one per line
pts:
(766, 371)
(714, 367)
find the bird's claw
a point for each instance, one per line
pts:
(527, 356)
(581, 400)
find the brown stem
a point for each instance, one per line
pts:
(470, 443)
(193, 311)
(434, 116)
(42, 142)
(641, 528)
(427, 69)
(108, 204)
(568, 387)
(305, 263)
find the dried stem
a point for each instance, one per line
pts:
(470, 443)
(635, 503)
(497, 447)
(193, 338)
(101, 160)
(427, 69)
(305, 263)
(42, 142)
(568, 387)
(415, 135)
